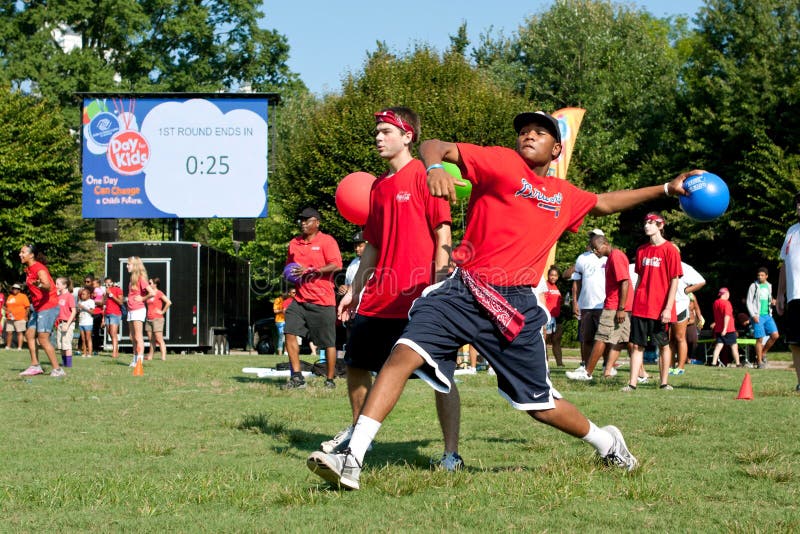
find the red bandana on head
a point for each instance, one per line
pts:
(653, 217)
(390, 117)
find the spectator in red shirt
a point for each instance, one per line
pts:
(614, 329)
(157, 306)
(553, 300)
(724, 327)
(313, 311)
(44, 301)
(112, 314)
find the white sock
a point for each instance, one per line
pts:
(598, 438)
(364, 432)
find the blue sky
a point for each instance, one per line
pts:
(328, 39)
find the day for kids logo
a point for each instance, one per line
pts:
(116, 135)
(549, 203)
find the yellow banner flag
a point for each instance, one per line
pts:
(569, 121)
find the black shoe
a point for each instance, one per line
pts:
(329, 383)
(296, 382)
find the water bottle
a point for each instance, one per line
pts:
(322, 358)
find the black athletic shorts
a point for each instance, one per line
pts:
(313, 321)
(371, 341)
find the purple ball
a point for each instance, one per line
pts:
(287, 272)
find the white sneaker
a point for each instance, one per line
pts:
(619, 455)
(33, 370)
(491, 372)
(612, 372)
(341, 470)
(643, 379)
(450, 461)
(579, 374)
(57, 373)
(339, 443)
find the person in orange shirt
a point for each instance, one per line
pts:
(16, 308)
(280, 320)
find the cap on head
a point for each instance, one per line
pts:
(722, 291)
(596, 231)
(542, 119)
(16, 286)
(307, 213)
(358, 237)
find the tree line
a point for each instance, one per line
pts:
(662, 95)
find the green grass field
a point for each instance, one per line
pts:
(197, 446)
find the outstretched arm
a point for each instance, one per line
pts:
(614, 201)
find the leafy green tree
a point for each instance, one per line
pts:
(39, 191)
(617, 62)
(145, 46)
(321, 142)
(741, 120)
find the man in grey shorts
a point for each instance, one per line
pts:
(614, 329)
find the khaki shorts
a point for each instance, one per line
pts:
(608, 331)
(64, 335)
(16, 326)
(154, 325)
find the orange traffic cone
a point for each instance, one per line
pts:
(746, 391)
(138, 370)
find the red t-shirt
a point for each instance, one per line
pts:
(553, 299)
(155, 303)
(319, 252)
(41, 301)
(722, 308)
(656, 266)
(137, 289)
(112, 308)
(66, 303)
(97, 296)
(514, 216)
(616, 271)
(401, 223)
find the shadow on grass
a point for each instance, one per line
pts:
(401, 453)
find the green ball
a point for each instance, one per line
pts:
(462, 191)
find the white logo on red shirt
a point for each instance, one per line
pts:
(652, 262)
(403, 196)
(549, 203)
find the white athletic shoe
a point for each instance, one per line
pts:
(339, 442)
(342, 470)
(612, 372)
(619, 455)
(579, 374)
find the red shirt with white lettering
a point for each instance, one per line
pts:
(41, 300)
(553, 299)
(616, 272)
(401, 223)
(66, 303)
(656, 266)
(514, 216)
(321, 250)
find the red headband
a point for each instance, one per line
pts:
(390, 117)
(654, 217)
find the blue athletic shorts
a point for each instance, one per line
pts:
(86, 327)
(113, 319)
(371, 341)
(447, 317)
(764, 327)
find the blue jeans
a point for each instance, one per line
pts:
(281, 337)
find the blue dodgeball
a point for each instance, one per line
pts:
(708, 197)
